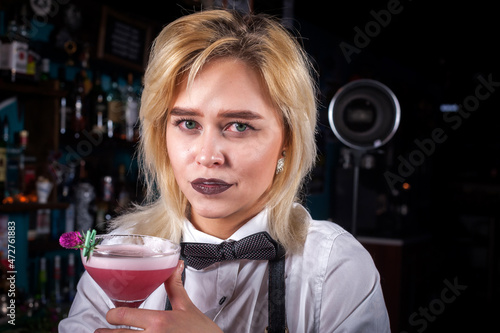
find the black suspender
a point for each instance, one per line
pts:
(276, 296)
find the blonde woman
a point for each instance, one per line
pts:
(228, 120)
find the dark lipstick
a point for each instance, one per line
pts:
(209, 186)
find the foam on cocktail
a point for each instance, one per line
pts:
(132, 257)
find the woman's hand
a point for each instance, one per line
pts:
(184, 317)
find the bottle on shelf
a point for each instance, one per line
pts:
(14, 52)
(123, 192)
(131, 110)
(79, 106)
(116, 111)
(42, 280)
(98, 109)
(107, 203)
(71, 277)
(67, 195)
(84, 196)
(42, 223)
(6, 130)
(57, 279)
(108, 190)
(23, 143)
(64, 107)
(45, 70)
(32, 54)
(18, 58)
(87, 82)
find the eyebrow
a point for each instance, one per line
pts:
(184, 112)
(241, 114)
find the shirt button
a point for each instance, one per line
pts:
(222, 300)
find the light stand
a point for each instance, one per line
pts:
(357, 155)
(364, 114)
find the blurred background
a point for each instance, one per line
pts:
(424, 203)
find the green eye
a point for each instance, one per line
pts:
(190, 124)
(240, 127)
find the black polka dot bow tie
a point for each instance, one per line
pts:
(259, 246)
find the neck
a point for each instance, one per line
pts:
(217, 228)
(223, 227)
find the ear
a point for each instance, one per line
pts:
(286, 140)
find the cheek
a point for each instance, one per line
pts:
(174, 154)
(178, 168)
(175, 146)
(179, 158)
(259, 166)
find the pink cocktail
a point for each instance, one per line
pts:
(130, 267)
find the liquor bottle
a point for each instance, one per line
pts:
(87, 83)
(79, 106)
(108, 191)
(68, 195)
(45, 70)
(116, 112)
(84, 196)
(23, 143)
(57, 279)
(98, 108)
(14, 52)
(124, 193)
(6, 130)
(42, 223)
(71, 277)
(107, 202)
(42, 280)
(131, 110)
(64, 109)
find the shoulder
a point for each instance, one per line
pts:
(325, 234)
(335, 241)
(320, 229)
(332, 246)
(337, 246)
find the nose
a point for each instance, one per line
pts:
(210, 150)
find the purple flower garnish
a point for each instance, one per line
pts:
(76, 240)
(71, 240)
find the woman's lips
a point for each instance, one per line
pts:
(209, 186)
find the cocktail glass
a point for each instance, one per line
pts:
(129, 268)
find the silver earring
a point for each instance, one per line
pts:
(281, 164)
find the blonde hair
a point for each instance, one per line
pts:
(182, 48)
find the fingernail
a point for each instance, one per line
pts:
(180, 267)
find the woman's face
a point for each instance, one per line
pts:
(223, 140)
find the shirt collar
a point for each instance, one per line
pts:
(254, 225)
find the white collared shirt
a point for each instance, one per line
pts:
(333, 286)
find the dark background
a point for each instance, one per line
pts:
(430, 53)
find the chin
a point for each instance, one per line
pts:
(211, 214)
